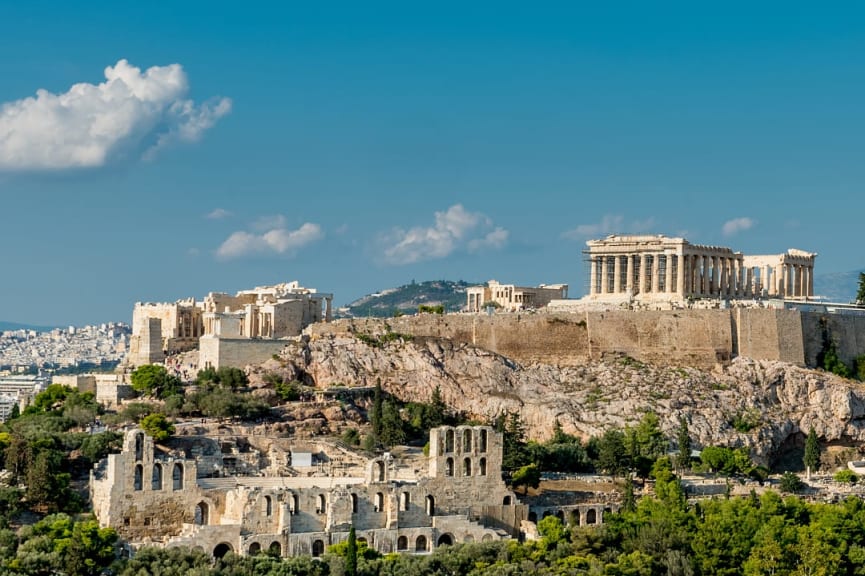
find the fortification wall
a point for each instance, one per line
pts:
(239, 352)
(846, 331)
(769, 334)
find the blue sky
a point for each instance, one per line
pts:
(359, 146)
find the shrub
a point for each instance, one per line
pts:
(846, 476)
(791, 483)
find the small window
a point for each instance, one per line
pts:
(405, 501)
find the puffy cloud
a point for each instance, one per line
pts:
(217, 214)
(454, 229)
(278, 240)
(610, 224)
(92, 124)
(736, 225)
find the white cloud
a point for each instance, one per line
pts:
(454, 229)
(217, 214)
(91, 124)
(279, 240)
(610, 224)
(736, 225)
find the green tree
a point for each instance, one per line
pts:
(158, 427)
(154, 380)
(392, 433)
(683, 437)
(812, 453)
(612, 456)
(791, 483)
(90, 549)
(377, 410)
(860, 292)
(437, 412)
(351, 553)
(527, 476)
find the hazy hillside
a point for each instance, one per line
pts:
(4, 326)
(838, 286)
(452, 295)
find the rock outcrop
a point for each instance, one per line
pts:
(764, 405)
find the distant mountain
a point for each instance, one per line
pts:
(838, 286)
(4, 326)
(451, 295)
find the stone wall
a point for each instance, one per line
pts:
(846, 331)
(768, 334)
(236, 352)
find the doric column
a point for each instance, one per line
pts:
(641, 279)
(724, 277)
(811, 281)
(656, 273)
(593, 282)
(629, 281)
(767, 281)
(680, 275)
(617, 275)
(716, 276)
(604, 265)
(749, 281)
(668, 277)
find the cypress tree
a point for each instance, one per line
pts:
(376, 418)
(351, 554)
(683, 437)
(812, 453)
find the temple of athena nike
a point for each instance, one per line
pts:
(657, 269)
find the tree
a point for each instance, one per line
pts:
(157, 426)
(791, 483)
(377, 405)
(612, 456)
(527, 476)
(90, 549)
(683, 437)
(437, 412)
(860, 292)
(812, 453)
(351, 553)
(629, 501)
(154, 380)
(391, 433)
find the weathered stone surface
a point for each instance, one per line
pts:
(777, 399)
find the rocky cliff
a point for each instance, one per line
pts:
(767, 406)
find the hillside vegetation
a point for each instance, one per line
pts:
(407, 298)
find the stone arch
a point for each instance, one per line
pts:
(321, 504)
(139, 445)
(275, 549)
(467, 440)
(574, 518)
(138, 477)
(420, 544)
(222, 549)
(353, 503)
(591, 516)
(446, 540)
(156, 477)
(607, 511)
(506, 501)
(268, 506)
(317, 548)
(379, 502)
(533, 516)
(560, 514)
(379, 471)
(254, 548)
(449, 467)
(295, 503)
(449, 440)
(545, 514)
(402, 543)
(483, 441)
(468, 538)
(487, 538)
(467, 466)
(177, 477)
(482, 467)
(201, 515)
(405, 501)
(430, 505)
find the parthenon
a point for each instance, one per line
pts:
(658, 268)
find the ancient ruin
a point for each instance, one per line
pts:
(218, 495)
(512, 298)
(661, 269)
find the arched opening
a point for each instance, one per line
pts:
(561, 515)
(361, 539)
(354, 503)
(254, 548)
(402, 543)
(446, 540)
(420, 544)
(139, 446)
(295, 505)
(379, 471)
(449, 467)
(469, 538)
(405, 501)
(506, 501)
(606, 511)
(546, 513)
(317, 548)
(574, 518)
(222, 549)
(487, 538)
(430, 506)
(138, 478)
(482, 467)
(321, 504)
(591, 516)
(177, 477)
(483, 441)
(201, 516)
(467, 440)
(467, 467)
(275, 549)
(533, 517)
(379, 502)
(268, 506)
(449, 441)
(156, 477)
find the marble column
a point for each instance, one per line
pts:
(810, 281)
(604, 265)
(680, 275)
(656, 273)
(593, 282)
(641, 279)
(629, 281)
(617, 275)
(668, 278)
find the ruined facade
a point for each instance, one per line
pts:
(263, 313)
(662, 269)
(185, 496)
(512, 298)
